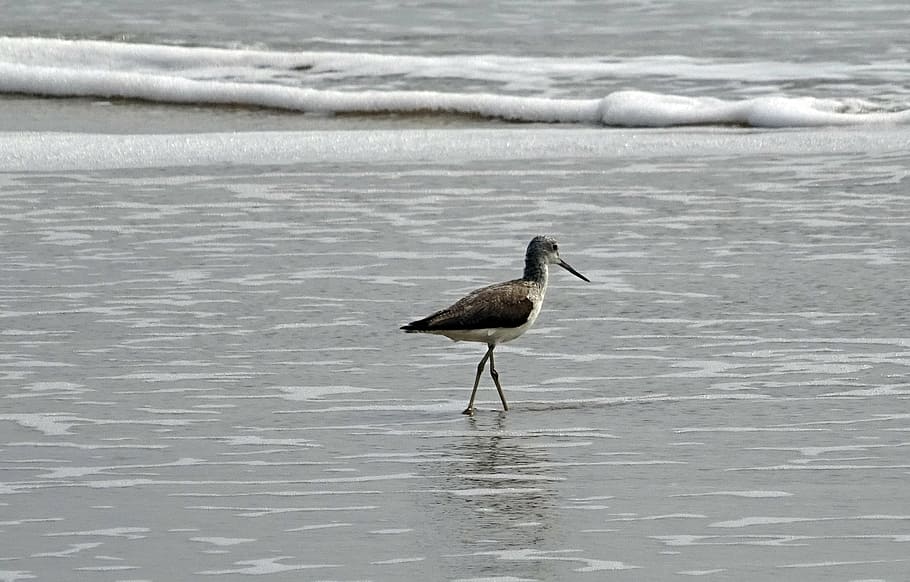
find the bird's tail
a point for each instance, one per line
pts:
(419, 326)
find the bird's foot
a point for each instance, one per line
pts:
(469, 411)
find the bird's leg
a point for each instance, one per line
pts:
(470, 409)
(495, 376)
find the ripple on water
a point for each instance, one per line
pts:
(206, 358)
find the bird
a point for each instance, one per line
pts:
(500, 312)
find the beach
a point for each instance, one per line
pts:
(202, 368)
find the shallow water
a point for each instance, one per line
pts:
(203, 375)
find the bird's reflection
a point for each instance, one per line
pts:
(495, 491)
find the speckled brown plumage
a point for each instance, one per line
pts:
(506, 304)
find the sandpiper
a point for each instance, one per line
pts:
(500, 312)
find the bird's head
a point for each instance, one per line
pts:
(544, 247)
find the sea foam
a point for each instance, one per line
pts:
(50, 151)
(517, 89)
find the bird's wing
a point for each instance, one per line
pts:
(500, 305)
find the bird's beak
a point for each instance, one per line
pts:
(569, 268)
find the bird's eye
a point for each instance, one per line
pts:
(555, 247)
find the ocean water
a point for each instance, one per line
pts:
(214, 218)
